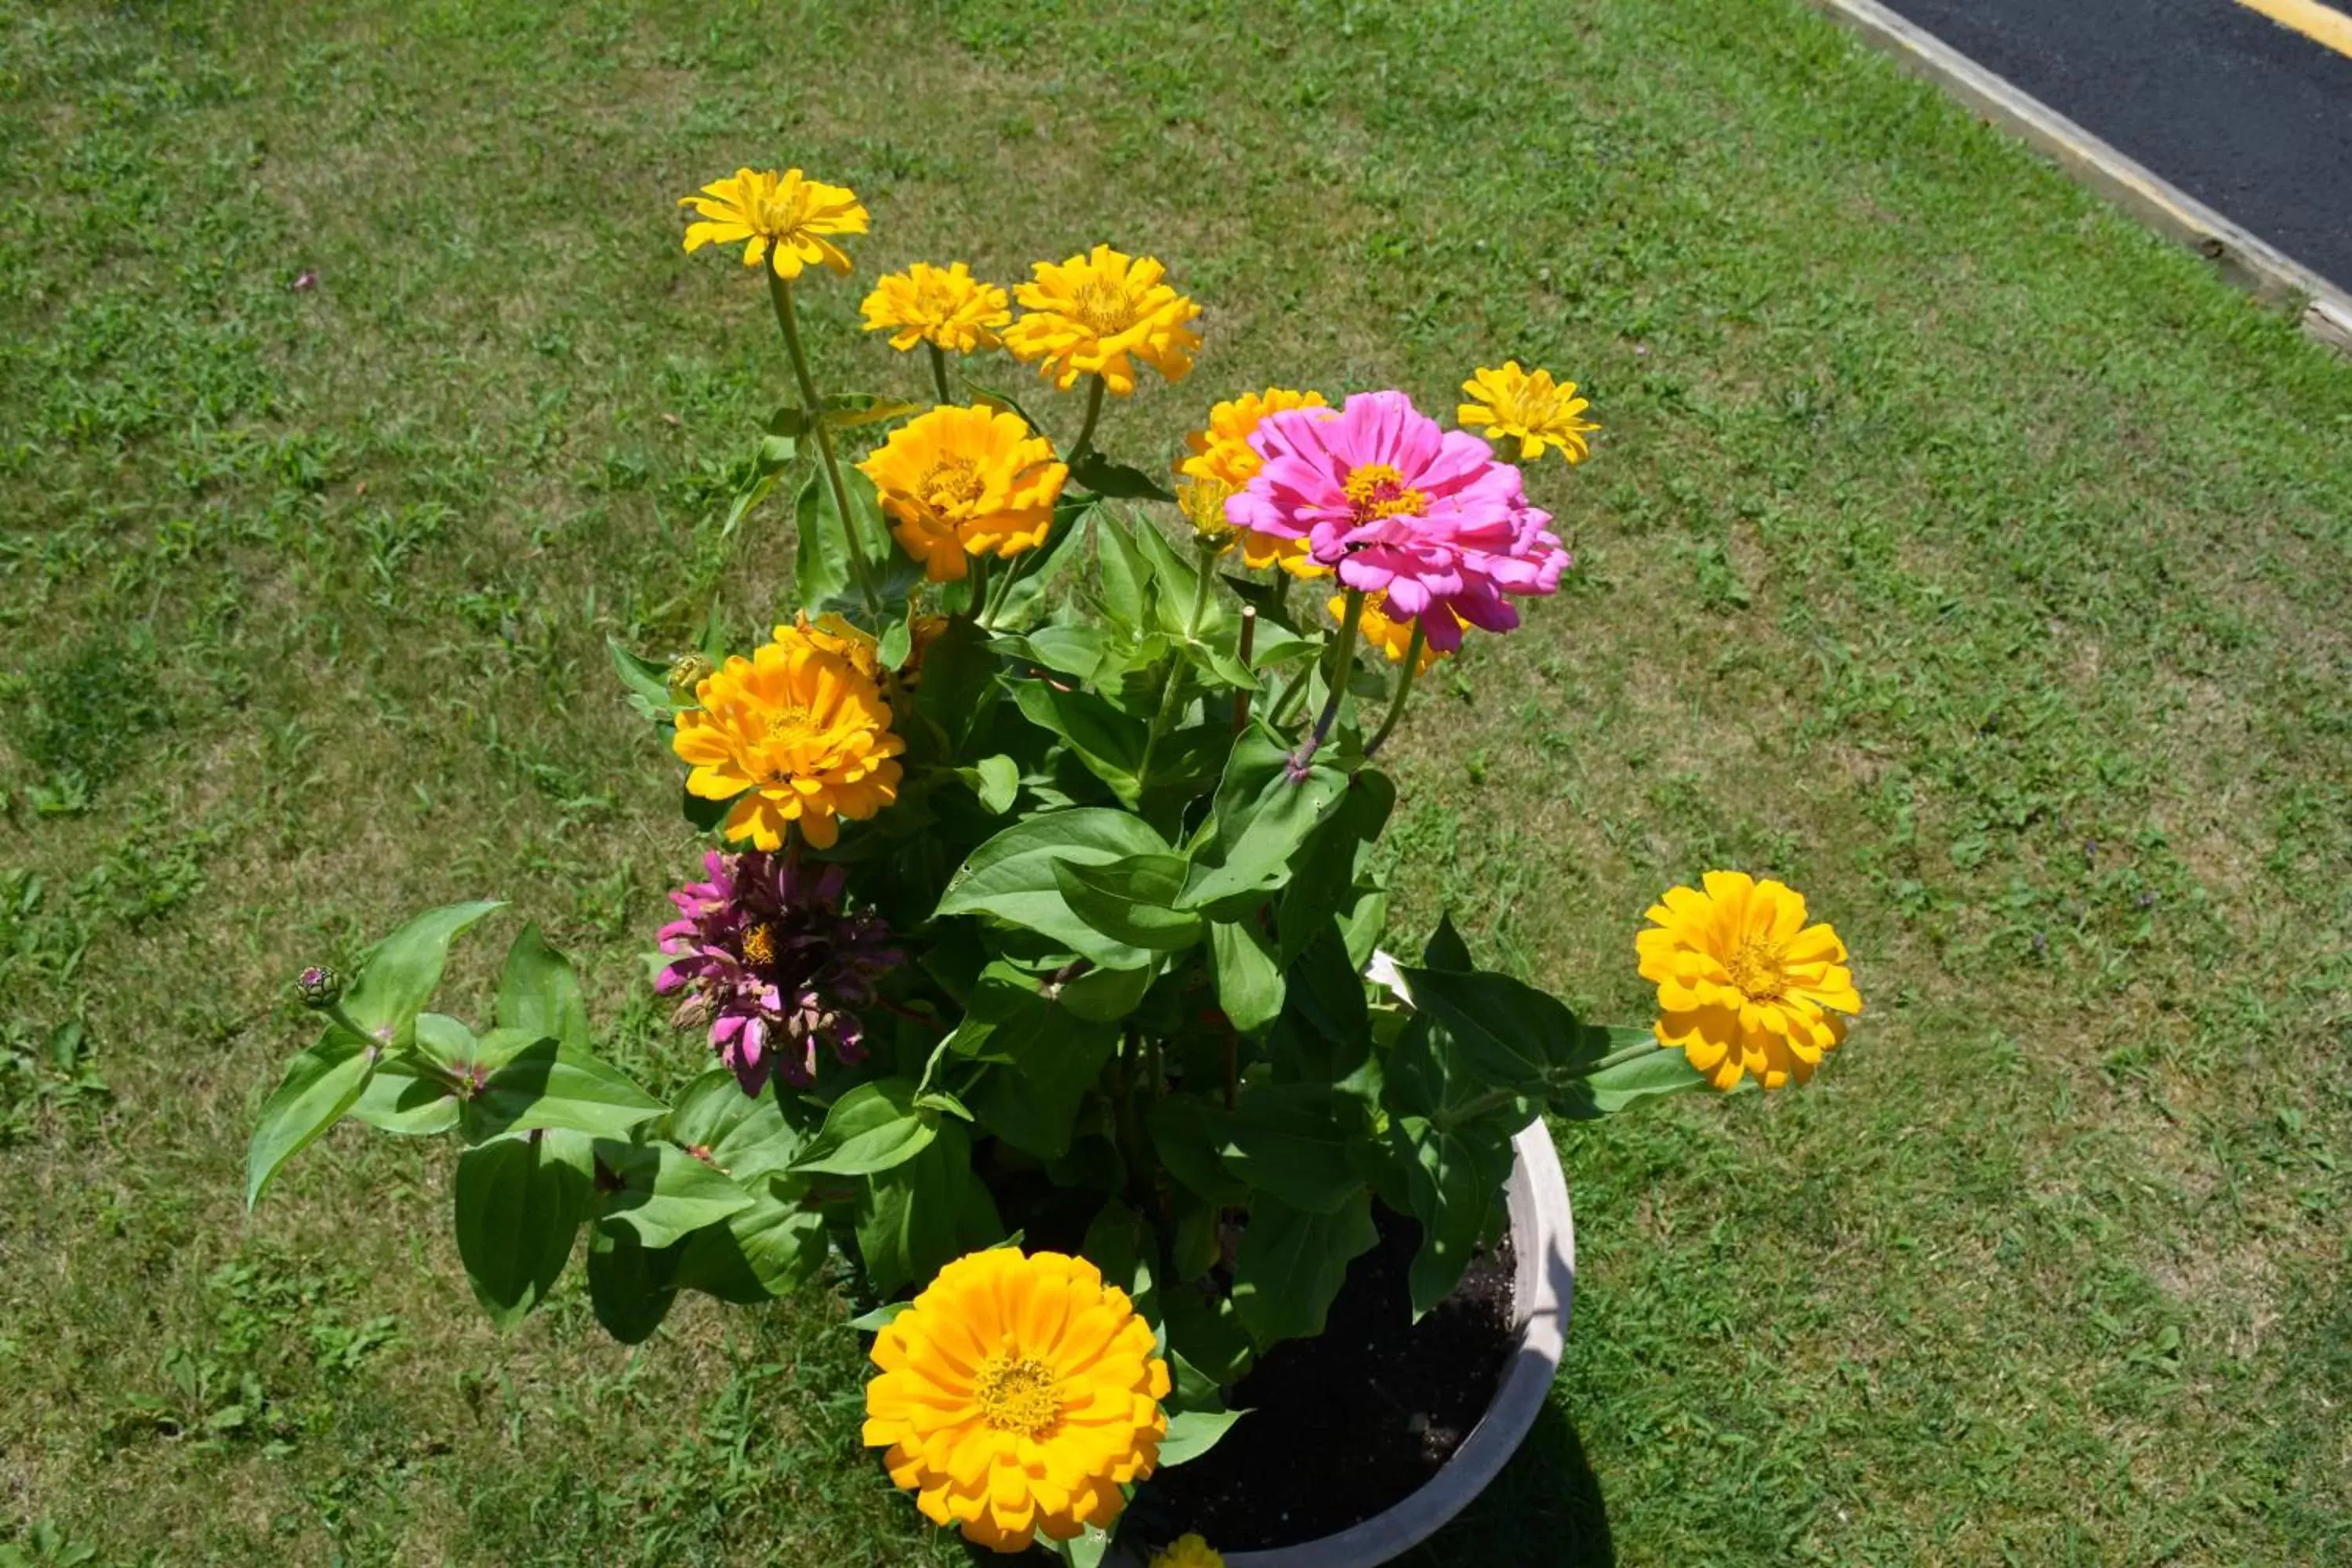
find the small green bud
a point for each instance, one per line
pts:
(319, 987)
(687, 672)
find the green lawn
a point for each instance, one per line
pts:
(1953, 548)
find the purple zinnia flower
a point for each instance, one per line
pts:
(770, 961)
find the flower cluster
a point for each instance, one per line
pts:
(1018, 1393)
(772, 964)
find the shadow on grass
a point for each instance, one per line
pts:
(1544, 1511)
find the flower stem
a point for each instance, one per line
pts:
(940, 373)
(1085, 443)
(1242, 649)
(1159, 722)
(1343, 650)
(1200, 593)
(1404, 688)
(780, 294)
(981, 566)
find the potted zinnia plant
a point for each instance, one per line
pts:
(1034, 968)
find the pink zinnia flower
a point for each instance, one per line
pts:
(1397, 505)
(770, 963)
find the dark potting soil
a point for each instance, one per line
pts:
(1350, 1423)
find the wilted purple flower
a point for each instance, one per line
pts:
(769, 960)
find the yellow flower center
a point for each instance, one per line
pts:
(759, 944)
(1378, 491)
(1756, 970)
(1107, 308)
(1017, 1393)
(779, 212)
(955, 482)
(789, 726)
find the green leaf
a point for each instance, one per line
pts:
(1190, 1136)
(539, 995)
(1125, 576)
(996, 781)
(820, 550)
(1513, 1035)
(1325, 874)
(399, 975)
(666, 1193)
(519, 1202)
(319, 1085)
(1637, 1068)
(1178, 581)
(405, 1095)
(768, 1250)
(1107, 995)
(1117, 481)
(1109, 743)
(957, 680)
(879, 1319)
(1454, 1179)
(871, 1128)
(1049, 1058)
(648, 682)
(848, 410)
(1074, 651)
(1024, 595)
(629, 1286)
(745, 1135)
(1446, 949)
(1192, 1433)
(1249, 980)
(1263, 814)
(1294, 1140)
(1292, 1263)
(1131, 900)
(1011, 877)
(898, 641)
(915, 1217)
(547, 1084)
(1120, 1244)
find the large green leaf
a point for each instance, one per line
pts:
(871, 1128)
(400, 972)
(1264, 813)
(407, 1095)
(629, 1286)
(1249, 980)
(1109, 742)
(1131, 900)
(1454, 1178)
(1047, 1057)
(539, 995)
(1122, 1244)
(547, 1084)
(1011, 877)
(665, 1195)
(1190, 1134)
(1515, 1035)
(767, 1250)
(519, 1202)
(745, 1135)
(1326, 873)
(1292, 1263)
(1192, 1433)
(319, 1085)
(913, 1219)
(1636, 1069)
(1125, 576)
(819, 552)
(1293, 1140)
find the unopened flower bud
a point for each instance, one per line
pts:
(689, 670)
(319, 986)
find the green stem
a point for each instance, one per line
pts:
(1404, 688)
(1004, 585)
(1159, 723)
(1343, 650)
(1201, 594)
(1085, 443)
(1280, 714)
(780, 294)
(940, 373)
(980, 567)
(1242, 649)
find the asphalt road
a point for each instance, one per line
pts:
(2249, 117)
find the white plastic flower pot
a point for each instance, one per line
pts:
(1543, 1232)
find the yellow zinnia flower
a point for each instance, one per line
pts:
(1017, 1396)
(785, 218)
(799, 730)
(1391, 638)
(1097, 315)
(965, 482)
(1745, 986)
(1189, 1552)
(948, 309)
(1220, 460)
(1529, 405)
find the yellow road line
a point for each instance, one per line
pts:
(2331, 30)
